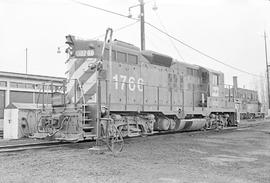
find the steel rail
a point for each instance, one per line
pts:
(29, 146)
(44, 145)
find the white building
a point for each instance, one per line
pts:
(25, 88)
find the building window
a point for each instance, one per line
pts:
(30, 86)
(3, 83)
(215, 79)
(13, 85)
(22, 85)
(21, 97)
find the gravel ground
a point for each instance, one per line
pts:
(239, 155)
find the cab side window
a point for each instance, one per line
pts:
(106, 54)
(204, 77)
(215, 79)
(132, 59)
(121, 57)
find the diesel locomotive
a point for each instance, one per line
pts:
(114, 87)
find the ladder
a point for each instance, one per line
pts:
(86, 121)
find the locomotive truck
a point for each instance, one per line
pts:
(114, 87)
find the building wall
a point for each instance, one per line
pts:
(2, 106)
(2, 103)
(22, 88)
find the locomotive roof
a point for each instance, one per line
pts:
(194, 66)
(212, 70)
(152, 56)
(157, 58)
(187, 64)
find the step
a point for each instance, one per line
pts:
(89, 135)
(134, 134)
(87, 119)
(106, 119)
(88, 127)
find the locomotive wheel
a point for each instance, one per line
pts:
(116, 142)
(172, 124)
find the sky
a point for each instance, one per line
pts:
(229, 30)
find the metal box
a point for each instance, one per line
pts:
(20, 120)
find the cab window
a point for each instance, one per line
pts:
(121, 57)
(215, 79)
(204, 77)
(132, 59)
(106, 54)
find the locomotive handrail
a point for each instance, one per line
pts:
(83, 98)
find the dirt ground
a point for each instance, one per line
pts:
(239, 156)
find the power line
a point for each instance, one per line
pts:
(171, 41)
(115, 30)
(98, 8)
(118, 29)
(165, 33)
(200, 52)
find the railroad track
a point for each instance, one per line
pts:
(30, 146)
(45, 145)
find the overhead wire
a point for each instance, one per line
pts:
(152, 42)
(115, 30)
(200, 52)
(102, 9)
(171, 41)
(118, 29)
(172, 37)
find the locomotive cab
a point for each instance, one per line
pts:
(218, 104)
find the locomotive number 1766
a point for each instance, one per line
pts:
(120, 81)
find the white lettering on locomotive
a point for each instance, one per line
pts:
(140, 84)
(215, 91)
(131, 84)
(115, 79)
(123, 80)
(84, 53)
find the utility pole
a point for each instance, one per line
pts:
(141, 20)
(267, 69)
(26, 60)
(142, 25)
